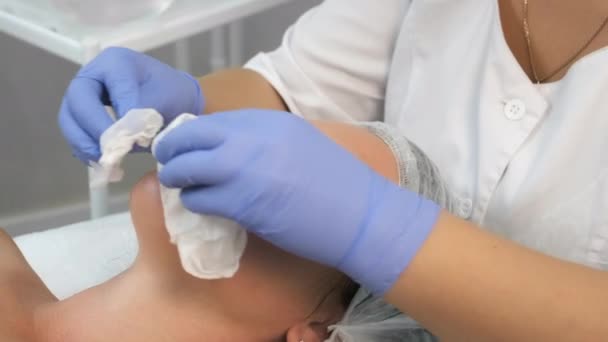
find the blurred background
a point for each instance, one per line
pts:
(41, 185)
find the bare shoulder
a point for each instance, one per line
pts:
(22, 292)
(10, 256)
(15, 272)
(4, 237)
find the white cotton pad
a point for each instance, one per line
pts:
(210, 247)
(138, 126)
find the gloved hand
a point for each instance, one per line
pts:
(285, 181)
(124, 79)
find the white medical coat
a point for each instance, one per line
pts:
(528, 162)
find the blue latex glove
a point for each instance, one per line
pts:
(282, 179)
(124, 79)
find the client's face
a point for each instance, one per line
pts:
(274, 296)
(272, 293)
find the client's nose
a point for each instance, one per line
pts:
(155, 249)
(147, 188)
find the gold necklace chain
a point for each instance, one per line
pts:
(526, 26)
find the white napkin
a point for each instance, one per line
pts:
(138, 126)
(209, 247)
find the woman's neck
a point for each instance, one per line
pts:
(137, 306)
(557, 29)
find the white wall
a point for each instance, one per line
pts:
(41, 185)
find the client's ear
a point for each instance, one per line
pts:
(330, 311)
(316, 327)
(308, 331)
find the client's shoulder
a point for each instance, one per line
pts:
(21, 293)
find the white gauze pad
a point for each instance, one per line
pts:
(138, 126)
(210, 247)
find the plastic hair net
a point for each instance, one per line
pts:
(369, 318)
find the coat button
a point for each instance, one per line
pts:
(466, 208)
(515, 109)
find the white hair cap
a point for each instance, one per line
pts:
(369, 318)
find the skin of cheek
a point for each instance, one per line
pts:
(272, 289)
